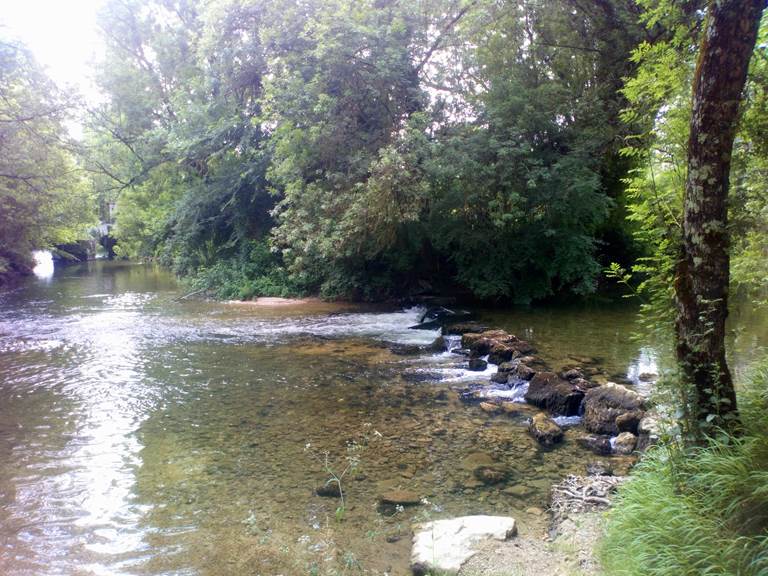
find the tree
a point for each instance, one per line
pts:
(702, 273)
(377, 147)
(43, 199)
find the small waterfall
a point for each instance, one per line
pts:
(514, 394)
(452, 342)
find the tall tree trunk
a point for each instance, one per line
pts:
(701, 283)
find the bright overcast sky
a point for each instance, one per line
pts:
(61, 34)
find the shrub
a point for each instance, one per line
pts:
(254, 272)
(697, 511)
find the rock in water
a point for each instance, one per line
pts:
(490, 475)
(389, 502)
(329, 490)
(464, 327)
(490, 407)
(438, 345)
(443, 546)
(625, 443)
(437, 317)
(550, 392)
(603, 405)
(477, 364)
(600, 445)
(573, 374)
(545, 430)
(525, 372)
(629, 421)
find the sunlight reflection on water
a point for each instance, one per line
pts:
(43, 264)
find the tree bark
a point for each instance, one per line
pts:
(702, 275)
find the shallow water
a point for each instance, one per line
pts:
(144, 435)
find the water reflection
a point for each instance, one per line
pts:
(43, 264)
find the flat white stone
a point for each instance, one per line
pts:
(445, 545)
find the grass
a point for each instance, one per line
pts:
(697, 511)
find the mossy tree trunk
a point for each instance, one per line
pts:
(701, 284)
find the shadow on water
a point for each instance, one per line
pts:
(142, 435)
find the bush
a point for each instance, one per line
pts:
(697, 511)
(256, 271)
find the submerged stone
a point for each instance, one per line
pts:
(400, 497)
(329, 490)
(490, 475)
(600, 445)
(490, 407)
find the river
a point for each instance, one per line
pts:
(144, 435)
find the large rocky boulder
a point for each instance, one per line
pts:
(443, 546)
(501, 352)
(549, 391)
(500, 343)
(630, 421)
(604, 404)
(545, 430)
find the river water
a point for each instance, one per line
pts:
(144, 435)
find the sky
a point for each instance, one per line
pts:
(61, 34)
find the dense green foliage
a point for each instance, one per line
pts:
(697, 511)
(698, 504)
(659, 96)
(43, 199)
(377, 148)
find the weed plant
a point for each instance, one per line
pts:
(697, 511)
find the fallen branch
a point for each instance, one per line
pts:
(185, 296)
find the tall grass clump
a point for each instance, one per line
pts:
(697, 511)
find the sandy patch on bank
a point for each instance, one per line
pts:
(571, 553)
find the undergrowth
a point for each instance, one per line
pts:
(255, 271)
(697, 511)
